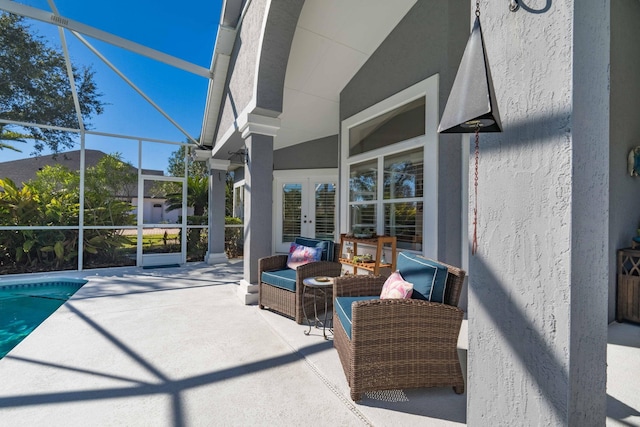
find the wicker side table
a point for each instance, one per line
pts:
(628, 291)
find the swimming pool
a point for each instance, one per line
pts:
(25, 305)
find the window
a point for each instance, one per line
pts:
(399, 124)
(401, 204)
(390, 168)
(325, 209)
(291, 211)
(238, 200)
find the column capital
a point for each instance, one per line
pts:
(218, 164)
(251, 123)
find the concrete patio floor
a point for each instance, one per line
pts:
(176, 347)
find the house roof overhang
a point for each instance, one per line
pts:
(230, 20)
(332, 41)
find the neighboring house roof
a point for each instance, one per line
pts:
(23, 170)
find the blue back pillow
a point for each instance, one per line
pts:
(429, 278)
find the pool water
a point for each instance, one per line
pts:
(24, 306)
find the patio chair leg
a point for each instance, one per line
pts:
(459, 389)
(261, 306)
(356, 396)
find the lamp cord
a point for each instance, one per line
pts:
(474, 244)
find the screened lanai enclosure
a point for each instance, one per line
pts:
(99, 123)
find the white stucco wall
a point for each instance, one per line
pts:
(538, 284)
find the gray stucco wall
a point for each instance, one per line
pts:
(538, 284)
(317, 154)
(242, 67)
(276, 46)
(268, 55)
(429, 40)
(624, 202)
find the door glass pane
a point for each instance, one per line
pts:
(325, 199)
(404, 220)
(291, 211)
(362, 181)
(403, 175)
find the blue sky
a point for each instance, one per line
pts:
(185, 30)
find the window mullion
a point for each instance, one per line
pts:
(380, 197)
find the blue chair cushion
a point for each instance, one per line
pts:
(429, 278)
(284, 279)
(326, 245)
(342, 307)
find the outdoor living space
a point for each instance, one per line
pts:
(186, 143)
(176, 347)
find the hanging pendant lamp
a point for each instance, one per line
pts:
(472, 107)
(472, 102)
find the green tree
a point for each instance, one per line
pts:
(176, 164)
(35, 88)
(8, 135)
(197, 196)
(199, 169)
(197, 183)
(109, 186)
(53, 198)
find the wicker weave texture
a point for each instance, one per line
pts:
(399, 344)
(286, 302)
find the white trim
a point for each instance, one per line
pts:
(151, 260)
(218, 258)
(218, 164)
(249, 123)
(236, 185)
(162, 178)
(464, 236)
(247, 292)
(428, 89)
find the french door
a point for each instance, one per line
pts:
(304, 205)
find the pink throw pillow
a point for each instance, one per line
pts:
(395, 287)
(300, 255)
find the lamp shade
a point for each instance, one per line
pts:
(472, 101)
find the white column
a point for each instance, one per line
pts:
(217, 192)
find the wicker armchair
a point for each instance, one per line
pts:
(399, 343)
(288, 300)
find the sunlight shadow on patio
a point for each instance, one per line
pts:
(174, 388)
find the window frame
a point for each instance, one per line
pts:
(428, 89)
